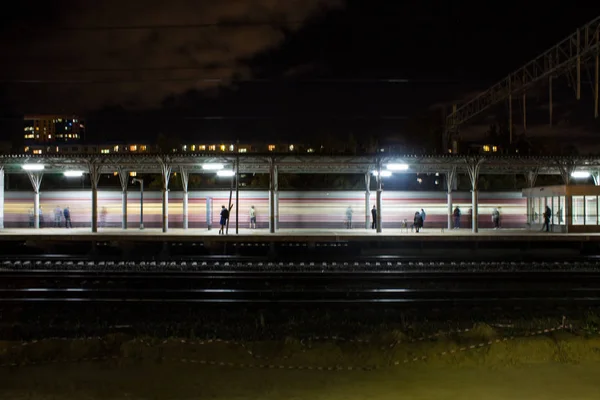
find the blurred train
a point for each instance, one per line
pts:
(296, 209)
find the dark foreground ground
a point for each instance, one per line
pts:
(482, 363)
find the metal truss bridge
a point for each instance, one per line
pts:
(567, 57)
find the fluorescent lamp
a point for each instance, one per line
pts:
(397, 167)
(580, 174)
(212, 167)
(225, 173)
(73, 174)
(384, 174)
(33, 167)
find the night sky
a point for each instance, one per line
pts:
(262, 68)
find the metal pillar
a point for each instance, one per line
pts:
(550, 105)
(530, 178)
(566, 168)
(473, 167)
(237, 195)
(367, 200)
(185, 175)
(450, 178)
(124, 181)
(94, 169)
(36, 181)
(165, 169)
(510, 112)
(379, 194)
(524, 111)
(578, 64)
(272, 196)
(1, 197)
(597, 72)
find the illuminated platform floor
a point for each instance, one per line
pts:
(263, 235)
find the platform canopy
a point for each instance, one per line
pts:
(303, 163)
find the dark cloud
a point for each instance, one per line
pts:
(78, 68)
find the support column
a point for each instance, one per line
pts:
(566, 168)
(367, 199)
(530, 178)
(36, 181)
(94, 170)
(578, 64)
(272, 196)
(596, 73)
(123, 177)
(237, 195)
(510, 111)
(524, 111)
(379, 194)
(473, 167)
(165, 169)
(450, 178)
(550, 104)
(185, 175)
(1, 197)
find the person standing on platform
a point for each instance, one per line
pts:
(67, 215)
(41, 217)
(57, 217)
(418, 221)
(496, 218)
(252, 218)
(547, 216)
(103, 214)
(31, 217)
(423, 215)
(223, 221)
(457, 215)
(349, 213)
(374, 215)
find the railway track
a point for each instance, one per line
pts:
(390, 288)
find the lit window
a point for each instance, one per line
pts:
(271, 147)
(116, 148)
(193, 147)
(486, 148)
(115, 173)
(202, 147)
(27, 149)
(105, 151)
(212, 147)
(184, 147)
(143, 147)
(57, 149)
(50, 137)
(231, 147)
(133, 147)
(242, 150)
(133, 173)
(222, 147)
(291, 147)
(37, 128)
(310, 150)
(37, 152)
(494, 149)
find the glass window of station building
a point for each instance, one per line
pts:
(574, 207)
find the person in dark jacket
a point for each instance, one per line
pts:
(418, 221)
(224, 218)
(67, 216)
(457, 215)
(547, 216)
(374, 215)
